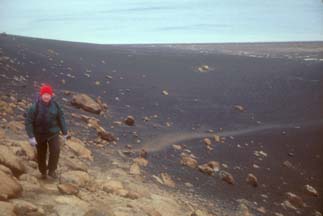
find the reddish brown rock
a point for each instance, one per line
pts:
(295, 200)
(210, 168)
(252, 180)
(227, 177)
(106, 136)
(69, 189)
(130, 121)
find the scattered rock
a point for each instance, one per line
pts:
(79, 148)
(164, 92)
(216, 138)
(287, 205)
(167, 180)
(86, 103)
(288, 164)
(252, 180)
(177, 147)
(130, 120)
(243, 210)
(227, 177)
(69, 189)
(78, 178)
(143, 153)
(103, 105)
(311, 190)
(207, 141)
(260, 153)
(9, 187)
(141, 161)
(73, 163)
(203, 68)
(112, 186)
(239, 108)
(295, 200)
(135, 169)
(210, 168)
(105, 135)
(189, 161)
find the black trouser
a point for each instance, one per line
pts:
(54, 149)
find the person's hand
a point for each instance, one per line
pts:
(66, 137)
(33, 141)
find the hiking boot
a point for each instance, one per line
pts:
(43, 176)
(52, 174)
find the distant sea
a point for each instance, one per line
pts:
(164, 21)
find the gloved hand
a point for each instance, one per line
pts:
(33, 141)
(66, 137)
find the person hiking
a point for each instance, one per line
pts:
(44, 121)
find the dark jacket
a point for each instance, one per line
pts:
(45, 120)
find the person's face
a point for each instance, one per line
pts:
(46, 97)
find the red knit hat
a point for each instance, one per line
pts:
(46, 89)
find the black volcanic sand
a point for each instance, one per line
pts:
(278, 84)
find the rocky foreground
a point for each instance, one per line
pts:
(82, 188)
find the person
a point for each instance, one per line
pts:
(44, 121)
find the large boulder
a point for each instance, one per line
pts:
(10, 160)
(9, 187)
(79, 149)
(25, 149)
(86, 103)
(78, 178)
